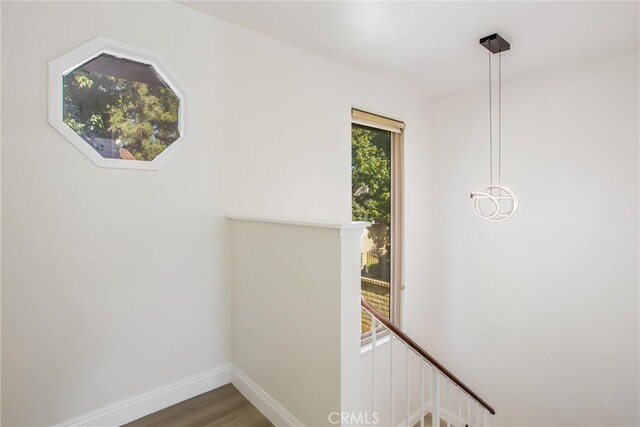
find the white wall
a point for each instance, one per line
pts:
(114, 281)
(540, 314)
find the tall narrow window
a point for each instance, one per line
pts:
(376, 196)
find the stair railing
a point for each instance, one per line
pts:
(474, 412)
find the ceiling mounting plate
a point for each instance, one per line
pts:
(495, 44)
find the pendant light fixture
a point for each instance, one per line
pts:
(495, 202)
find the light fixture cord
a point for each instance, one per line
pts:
(490, 127)
(499, 116)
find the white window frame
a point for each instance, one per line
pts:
(90, 50)
(396, 127)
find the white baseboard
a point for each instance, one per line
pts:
(139, 406)
(266, 404)
(155, 400)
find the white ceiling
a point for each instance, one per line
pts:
(432, 47)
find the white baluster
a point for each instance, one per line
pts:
(421, 392)
(435, 398)
(391, 376)
(486, 419)
(477, 414)
(374, 327)
(448, 404)
(459, 407)
(406, 362)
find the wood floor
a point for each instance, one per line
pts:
(224, 406)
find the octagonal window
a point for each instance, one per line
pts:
(122, 109)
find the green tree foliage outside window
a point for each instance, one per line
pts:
(371, 175)
(371, 194)
(141, 117)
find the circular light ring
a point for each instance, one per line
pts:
(496, 215)
(476, 196)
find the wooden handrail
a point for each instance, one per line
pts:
(415, 347)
